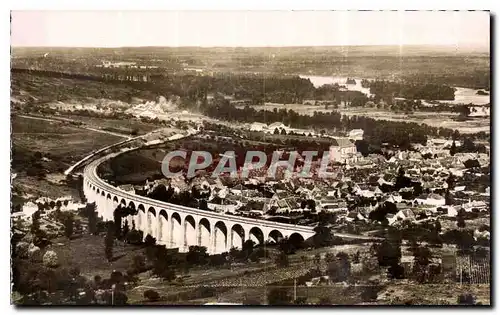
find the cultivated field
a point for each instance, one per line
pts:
(52, 147)
(66, 143)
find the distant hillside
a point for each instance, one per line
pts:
(465, 66)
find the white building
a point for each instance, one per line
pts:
(356, 134)
(256, 126)
(431, 200)
(402, 215)
(343, 150)
(275, 125)
(479, 111)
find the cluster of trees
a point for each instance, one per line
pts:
(193, 198)
(475, 79)
(388, 254)
(468, 146)
(338, 269)
(50, 283)
(375, 131)
(339, 95)
(63, 286)
(387, 90)
(258, 88)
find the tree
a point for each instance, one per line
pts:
(317, 260)
(329, 257)
(197, 255)
(468, 146)
(50, 259)
(453, 148)
(109, 240)
(138, 264)
(344, 271)
(472, 164)
(125, 230)
(447, 198)
(134, 237)
(461, 218)
(68, 226)
(356, 258)
(282, 259)
(35, 222)
(247, 248)
(450, 181)
(163, 264)
(92, 217)
(388, 253)
(203, 205)
(276, 131)
(438, 226)
(396, 271)
(322, 237)
(311, 204)
(333, 270)
(149, 240)
(422, 256)
(117, 220)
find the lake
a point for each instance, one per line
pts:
(462, 95)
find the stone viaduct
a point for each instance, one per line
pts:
(180, 227)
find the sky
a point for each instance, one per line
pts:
(248, 28)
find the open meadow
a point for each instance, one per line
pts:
(42, 150)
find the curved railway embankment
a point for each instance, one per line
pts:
(180, 227)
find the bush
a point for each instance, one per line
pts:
(101, 227)
(149, 240)
(50, 259)
(138, 264)
(22, 249)
(131, 277)
(134, 237)
(370, 292)
(151, 295)
(34, 253)
(68, 226)
(41, 239)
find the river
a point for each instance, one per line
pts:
(462, 95)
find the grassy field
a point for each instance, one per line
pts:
(59, 144)
(65, 143)
(399, 292)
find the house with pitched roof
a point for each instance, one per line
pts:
(430, 200)
(402, 215)
(342, 150)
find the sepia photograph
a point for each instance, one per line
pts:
(298, 158)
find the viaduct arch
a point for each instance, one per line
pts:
(180, 227)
